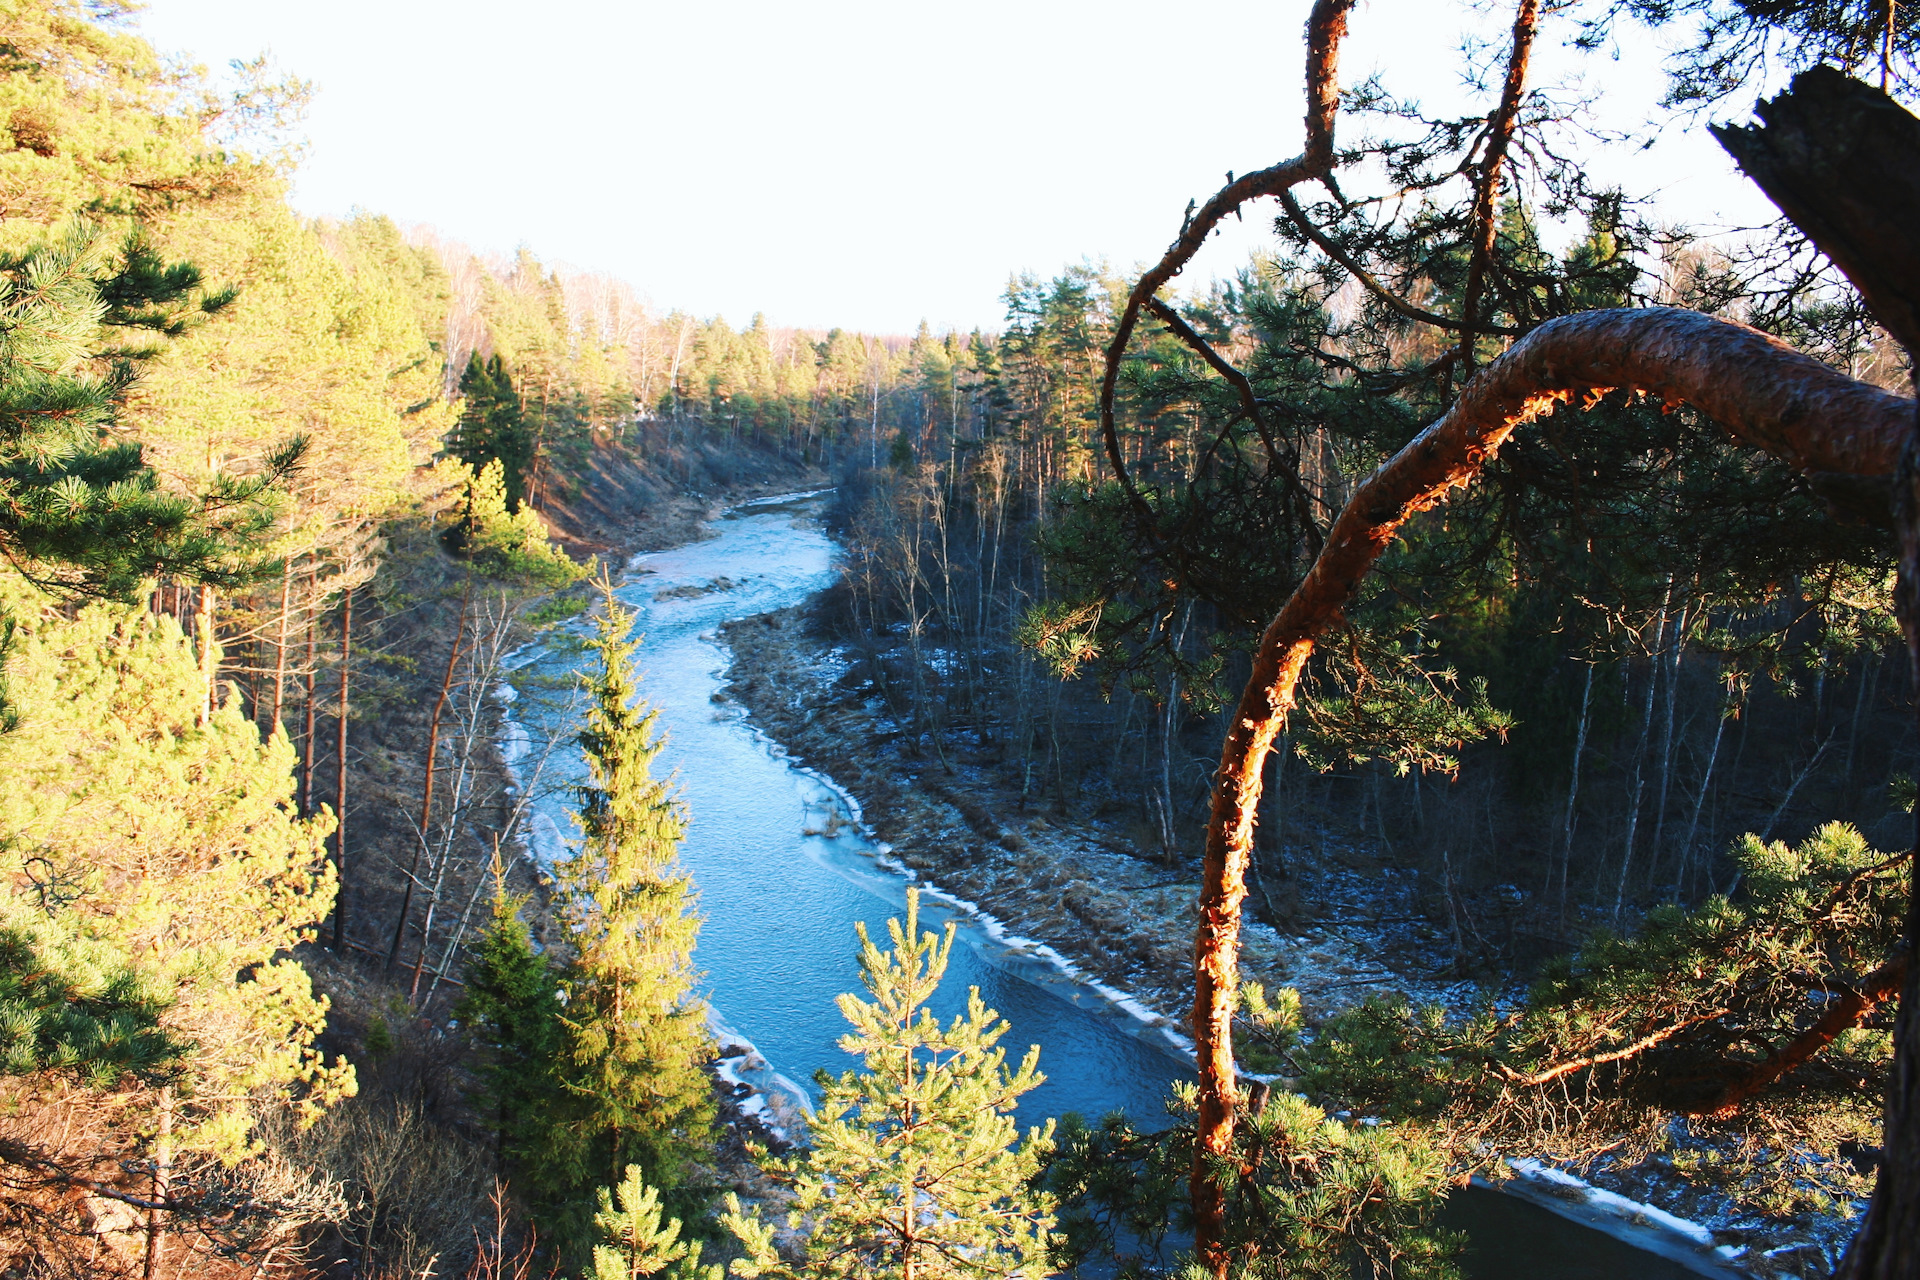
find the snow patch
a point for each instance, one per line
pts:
(1608, 1201)
(779, 1104)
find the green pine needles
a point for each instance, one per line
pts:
(70, 1004)
(636, 1243)
(80, 510)
(913, 1172)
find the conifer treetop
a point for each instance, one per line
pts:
(914, 1170)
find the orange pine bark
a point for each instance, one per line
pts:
(1763, 392)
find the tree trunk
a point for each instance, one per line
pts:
(1700, 799)
(1763, 392)
(203, 630)
(1843, 162)
(1637, 788)
(162, 1187)
(1677, 646)
(307, 729)
(1573, 789)
(340, 780)
(426, 796)
(280, 646)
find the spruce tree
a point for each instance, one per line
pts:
(512, 1008)
(632, 1069)
(493, 425)
(913, 1171)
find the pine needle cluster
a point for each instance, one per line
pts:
(80, 509)
(914, 1170)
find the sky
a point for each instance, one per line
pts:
(856, 163)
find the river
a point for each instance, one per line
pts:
(784, 869)
(783, 866)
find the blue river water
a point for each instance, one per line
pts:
(782, 868)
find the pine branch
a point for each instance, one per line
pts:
(1326, 27)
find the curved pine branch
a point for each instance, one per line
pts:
(1763, 392)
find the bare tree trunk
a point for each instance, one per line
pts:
(280, 646)
(1676, 646)
(483, 670)
(1640, 753)
(203, 629)
(307, 730)
(459, 934)
(426, 796)
(1700, 798)
(340, 782)
(1573, 789)
(1793, 788)
(156, 1250)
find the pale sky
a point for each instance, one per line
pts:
(849, 162)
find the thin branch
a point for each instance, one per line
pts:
(1572, 1065)
(1326, 26)
(1222, 366)
(1499, 137)
(1372, 284)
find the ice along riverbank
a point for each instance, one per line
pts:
(782, 859)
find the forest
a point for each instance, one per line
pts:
(1461, 666)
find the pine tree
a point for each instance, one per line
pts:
(635, 1244)
(633, 1065)
(155, 869)
(913, 1171)
(79, 510)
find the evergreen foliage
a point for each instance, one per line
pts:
(1732, 1003)
(493, 428)
(633, 1088)
(79, 509)
(507, 544)
(142, 842)
(72, 1005)
(636, 1243)
(913, 1170)
(511, 1008)
(1308, 1194)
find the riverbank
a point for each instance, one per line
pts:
(1124, 917)
(1075, 882)
(619, 512)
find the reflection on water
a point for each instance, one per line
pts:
(781, 883)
